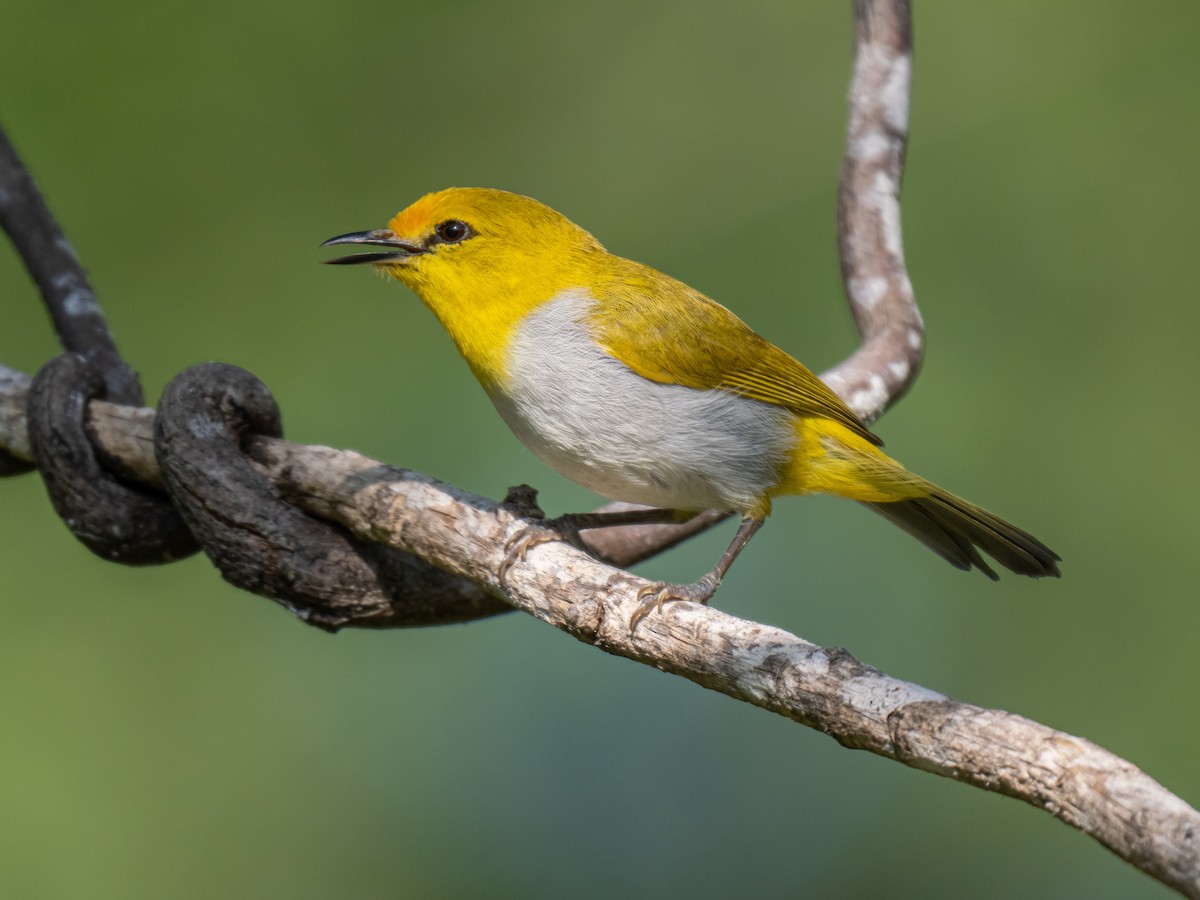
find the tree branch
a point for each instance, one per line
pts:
(869, 240)
(826, 689)
(56, 270)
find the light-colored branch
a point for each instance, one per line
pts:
(829, 690)
(869, 238)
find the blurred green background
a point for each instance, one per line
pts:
(166, 736)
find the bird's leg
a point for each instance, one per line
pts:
(653, 596)
(567, 528)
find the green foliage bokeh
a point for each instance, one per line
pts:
(167, 736)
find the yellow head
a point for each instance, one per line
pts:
(481, 259)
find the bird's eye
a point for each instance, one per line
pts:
(452, 231)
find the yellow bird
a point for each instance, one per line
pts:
(642, 389)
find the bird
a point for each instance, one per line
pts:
(642, 389)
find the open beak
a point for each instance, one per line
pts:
(398, 251)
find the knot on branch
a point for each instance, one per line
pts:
(207, 418)
(116, 519)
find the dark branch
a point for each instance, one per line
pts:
(60, 278)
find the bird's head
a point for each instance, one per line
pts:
(481, 259)
(461, 243)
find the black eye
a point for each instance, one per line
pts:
(452, 231)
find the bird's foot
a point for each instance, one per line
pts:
(653, 596)
(562, 528)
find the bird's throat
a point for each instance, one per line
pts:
(482, 332)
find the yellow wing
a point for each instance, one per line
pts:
(683, 337)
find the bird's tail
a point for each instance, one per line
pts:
(833, 460)
(957, 530)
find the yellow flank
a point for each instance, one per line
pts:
(831, 459)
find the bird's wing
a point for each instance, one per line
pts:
(684, 337)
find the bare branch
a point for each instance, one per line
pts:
(869, 242)
(826, 689)
(55, 269)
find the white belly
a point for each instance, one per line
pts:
(605, 427)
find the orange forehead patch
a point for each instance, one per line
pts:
(488, 211)
(419, 218)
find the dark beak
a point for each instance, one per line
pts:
(380, 237)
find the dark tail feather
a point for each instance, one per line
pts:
(957, 530)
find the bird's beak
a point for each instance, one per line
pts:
(399, 251)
